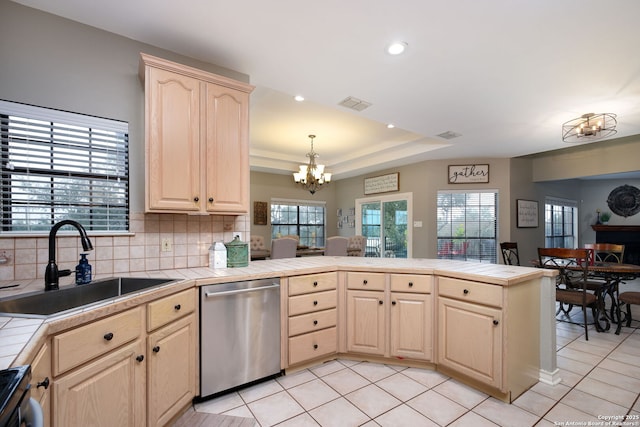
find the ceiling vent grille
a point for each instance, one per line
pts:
(449, 135)
(354, 103)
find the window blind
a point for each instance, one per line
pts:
(58, 165)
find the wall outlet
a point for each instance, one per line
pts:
(166, 245)
(417, 224)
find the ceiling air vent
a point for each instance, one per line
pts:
(449, 135)
(354, 103)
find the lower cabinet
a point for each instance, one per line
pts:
(411, 326)
(116, 372)
(107, 392)
(171, 370)
(41, 381)
(366, 322)
(471, 340)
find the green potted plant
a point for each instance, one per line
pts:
(605, 217)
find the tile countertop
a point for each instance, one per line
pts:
(20, 336)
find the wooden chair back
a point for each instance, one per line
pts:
(510, 254)
(606, 252)
(571, 287)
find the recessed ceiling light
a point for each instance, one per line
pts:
(390, 126)
(396, 48)
(299, 98)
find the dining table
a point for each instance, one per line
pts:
(613, 275)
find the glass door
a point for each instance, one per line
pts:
(384, 221)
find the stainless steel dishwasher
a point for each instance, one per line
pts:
(239, 334)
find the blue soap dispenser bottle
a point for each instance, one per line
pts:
(83, 271)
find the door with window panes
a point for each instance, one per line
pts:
(384, 222)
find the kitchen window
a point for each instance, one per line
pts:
(58, 165)
(560, 223)
(468, 225)
(301, 218)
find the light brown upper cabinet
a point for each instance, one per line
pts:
(196, 140)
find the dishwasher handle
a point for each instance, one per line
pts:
(240, 291)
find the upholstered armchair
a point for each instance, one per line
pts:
(356, 245)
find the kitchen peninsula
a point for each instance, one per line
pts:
(492, 326)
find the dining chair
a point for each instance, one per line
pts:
(601, 284)
(510, 253)
(628, 298)
(336, 246)
(284, 247)
(356, 245)
(570, 288)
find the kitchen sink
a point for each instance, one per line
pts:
(46, 303)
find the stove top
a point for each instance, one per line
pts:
(14, 384)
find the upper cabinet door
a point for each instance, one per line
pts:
(173, 139)
(227, 150)
(197, 140)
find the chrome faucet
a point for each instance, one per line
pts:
(51, 274)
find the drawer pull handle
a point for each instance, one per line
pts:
(140, 358)
(380, 302)
(315, 346)
(44, 383)
(108, 336)
(177, 307)
(364, 282)
(315, 303)
(393, 303)
(315, 322)
(156, 349)
(466, 291)
(495, 322)
(315, 283)
(196, 199)
(411, 284)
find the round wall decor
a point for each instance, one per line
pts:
(624, 200)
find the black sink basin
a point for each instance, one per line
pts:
(43, 303)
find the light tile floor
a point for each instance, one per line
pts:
(600, 378)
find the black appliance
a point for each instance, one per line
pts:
(15, 394)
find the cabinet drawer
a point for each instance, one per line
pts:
(481, 293)
(168, 309)
(313, 302)
(73, 348)
(366, 281)
(312, 283)
(419, 283)
(312, 322)
(312, 345)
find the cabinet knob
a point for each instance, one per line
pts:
(466, 291)
(177, 307)
(380, 302)
(315, 346)
(315, 284)
(411, 284)
(210, 199)
(196, 199)
(315, 322)
(393, 303)
(315, 303)
(156, 349)
(364, 282)
(140, 358)
(44, 383)
(495, 322)
(108, 336)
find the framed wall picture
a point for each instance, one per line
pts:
(260, 213)
(382, 184)
(468, 174)
(527, 213)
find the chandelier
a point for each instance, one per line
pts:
(312, 176)
(589, 127)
